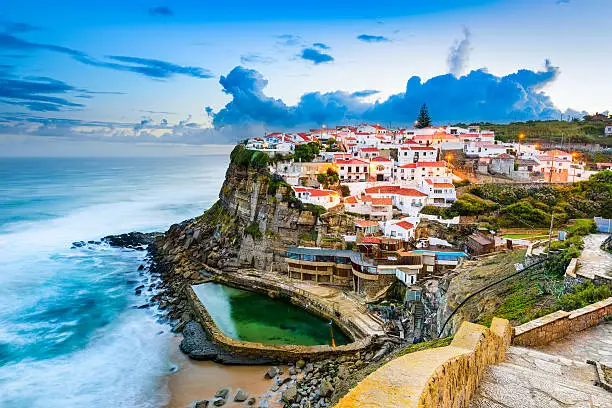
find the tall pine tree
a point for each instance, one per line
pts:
(423, 120)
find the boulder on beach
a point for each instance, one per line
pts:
(251, 401)
(223, 393)
(134, 240)
(194, 338)
(201, 404)
(241, 395)
(272, 372)
(290, 394)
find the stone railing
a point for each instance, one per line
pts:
(559, 324)
(278, 352)
(440, 377)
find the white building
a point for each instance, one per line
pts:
(413, 173)
(483, 149)
(400, 229)
(440, 191)
(315, 196)
(408, 200)
(376, 208)
(353, 170)
(381, 169)
(416, 153)
(608, 130)
(368, 153)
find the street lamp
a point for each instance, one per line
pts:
(521, 136)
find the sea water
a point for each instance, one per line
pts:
(71, 334)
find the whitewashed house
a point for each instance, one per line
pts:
(400, 229)
(315, 196)
(381, 169)
(353, 170)
(483, 149)
(440, 191)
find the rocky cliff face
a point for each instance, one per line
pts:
(251, 225)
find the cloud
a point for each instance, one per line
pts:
(161, 11)
(477, 96)
(145, 66)
(459, 54)
(316, 56)
(365, 93)
(372, 38)
(36, 93)
(288, 40)
(562, 1)
(321, 46)
(256, 59)
(17, 27)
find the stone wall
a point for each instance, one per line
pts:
(559, 324)
(440, 377)
(281, 353)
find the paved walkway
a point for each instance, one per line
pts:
(554, 376)
(591, 344)
(593, 260)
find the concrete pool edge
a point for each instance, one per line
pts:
(279, 352)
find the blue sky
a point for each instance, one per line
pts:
(200, 72)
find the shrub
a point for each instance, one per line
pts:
(345, 190)
(583, 295)
(253, 230)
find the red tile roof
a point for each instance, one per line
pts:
(370, 240)
(366, 223)
(405, 225)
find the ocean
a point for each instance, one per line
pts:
(71, 334)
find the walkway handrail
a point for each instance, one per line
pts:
(479, 291)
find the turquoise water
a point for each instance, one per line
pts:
(251, 316)
(70, 332)
(442, 255)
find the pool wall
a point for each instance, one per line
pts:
(279, 352)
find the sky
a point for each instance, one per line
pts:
(198, 72)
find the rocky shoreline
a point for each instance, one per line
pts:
(303, 384)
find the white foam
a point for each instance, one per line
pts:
(124, 366)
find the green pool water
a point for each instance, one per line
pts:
(251, 316)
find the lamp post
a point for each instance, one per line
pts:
(521, 136)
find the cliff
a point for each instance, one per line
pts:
(255, 219)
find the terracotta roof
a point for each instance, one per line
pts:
(444, 185)
(380, 159)
(382, 189)
(405, 225)
(315, 192)
(377, 201)
(350, 200)
(431, 164)
(505, 156)
(351, 161)
(366, 223)
(370, 240)
(369, 149)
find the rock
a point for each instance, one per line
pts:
(141, 267)
(219, 402)
(325, 389)
(223, 393)
(300, 364)
(251, 401)
(275, 388)
(201, 404)
(290, 394)
(343, 371)
(194, 338)
(241, 395)
(179, 327)
(272, 372)
(308, 368)
(134, 240)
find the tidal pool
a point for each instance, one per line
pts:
(251, 316)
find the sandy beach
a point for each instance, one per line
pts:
(197, 380)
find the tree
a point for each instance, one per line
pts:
(423, 120)
(306, 152)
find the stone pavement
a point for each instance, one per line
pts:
(554, 376)
(591, 344)
(593, 260)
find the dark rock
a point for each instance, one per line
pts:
(219, 402)
(179, 327)
(251, 401)
(241, 395)
(78, 244)
(145, 306)
(134, 240)
(300, 364)
(223, 393)
(201, 404)
(325, 389)
(272, 372)
(141, 267)
(290, 394)
(194, 338)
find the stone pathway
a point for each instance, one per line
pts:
(590, 344)
(593, 260)
(554, 376)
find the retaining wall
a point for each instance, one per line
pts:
(278, 352)
(441, 377)
(559, 324)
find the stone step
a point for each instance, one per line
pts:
(529, 378)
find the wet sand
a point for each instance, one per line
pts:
(197, 380)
